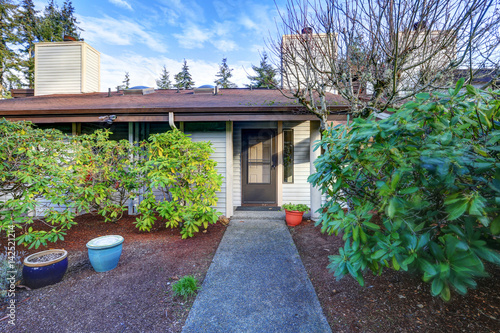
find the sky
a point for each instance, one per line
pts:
(140, 37)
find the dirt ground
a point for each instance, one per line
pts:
(134, 297)
(137, 295)
(394, 301)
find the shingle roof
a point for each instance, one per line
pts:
(167, 100)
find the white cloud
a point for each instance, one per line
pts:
(179, 11)
(193, 37)
(121, 3)
(249, 23)
(145, 70)
(113, 31)
(225, 45)
(259, 18)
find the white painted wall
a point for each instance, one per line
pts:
(218, 140)
(299, 192)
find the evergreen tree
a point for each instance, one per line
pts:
(8, 37)
(28, 30)
(126, 81)
(183, 79)
(68, 20)
(223, 76)
(164, 81)
(58, 22)
(50, 26)
(266, 75)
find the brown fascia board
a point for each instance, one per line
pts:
(162, 115)
(252, 111)
(164, 118)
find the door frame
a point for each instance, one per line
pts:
(244, 166)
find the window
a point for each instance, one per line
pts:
(119, 130)
(288, 156)
(63, 127)
(212, 126)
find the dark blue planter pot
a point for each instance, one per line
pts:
(104, 252)
(41, 274)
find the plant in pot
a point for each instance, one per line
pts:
(294, 213)
(45, 268)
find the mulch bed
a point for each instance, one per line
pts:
(134, 297)
(394, 301)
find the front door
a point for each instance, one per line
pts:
(258, 162)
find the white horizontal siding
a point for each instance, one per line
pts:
(237, 127)
(299, 192)
(91, 70)
(218, 140)
(58, 69)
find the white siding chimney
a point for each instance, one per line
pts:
(66, 68)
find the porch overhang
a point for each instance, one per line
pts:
(181, 116)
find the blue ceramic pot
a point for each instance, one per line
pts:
(104, 252)
(41, 274)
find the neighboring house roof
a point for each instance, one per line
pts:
(228, 104)
(481, 76)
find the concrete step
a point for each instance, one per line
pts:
(261, 215)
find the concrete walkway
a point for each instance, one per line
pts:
(256, 283)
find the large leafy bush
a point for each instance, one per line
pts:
(106, 175)
(180, 186)
(418, 191)
(48, 177)
(34, 173)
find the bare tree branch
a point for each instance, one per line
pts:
(377, 54)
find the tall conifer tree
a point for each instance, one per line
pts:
(29, 34)
(224, 75)
(164, 81)
(183, 79)
(8, 58)
(266, 75)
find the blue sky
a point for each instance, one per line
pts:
(141, 36)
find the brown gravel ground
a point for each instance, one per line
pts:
(394, 301)
(134, 297)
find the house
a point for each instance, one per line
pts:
(306, 60)
(481, 77)
(263, 140)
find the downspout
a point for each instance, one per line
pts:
(171, 120)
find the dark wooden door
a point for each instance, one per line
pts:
(259, 161)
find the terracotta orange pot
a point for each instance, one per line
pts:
(293, 217)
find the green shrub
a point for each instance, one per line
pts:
(50, 177)
(182, 175)
(105, 175)
(186, 286)
(35, 170)
(295, 207)
(430, 173)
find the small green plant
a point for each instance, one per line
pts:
(186, 286)
(295, 207)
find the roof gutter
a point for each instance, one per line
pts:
(171, 120)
